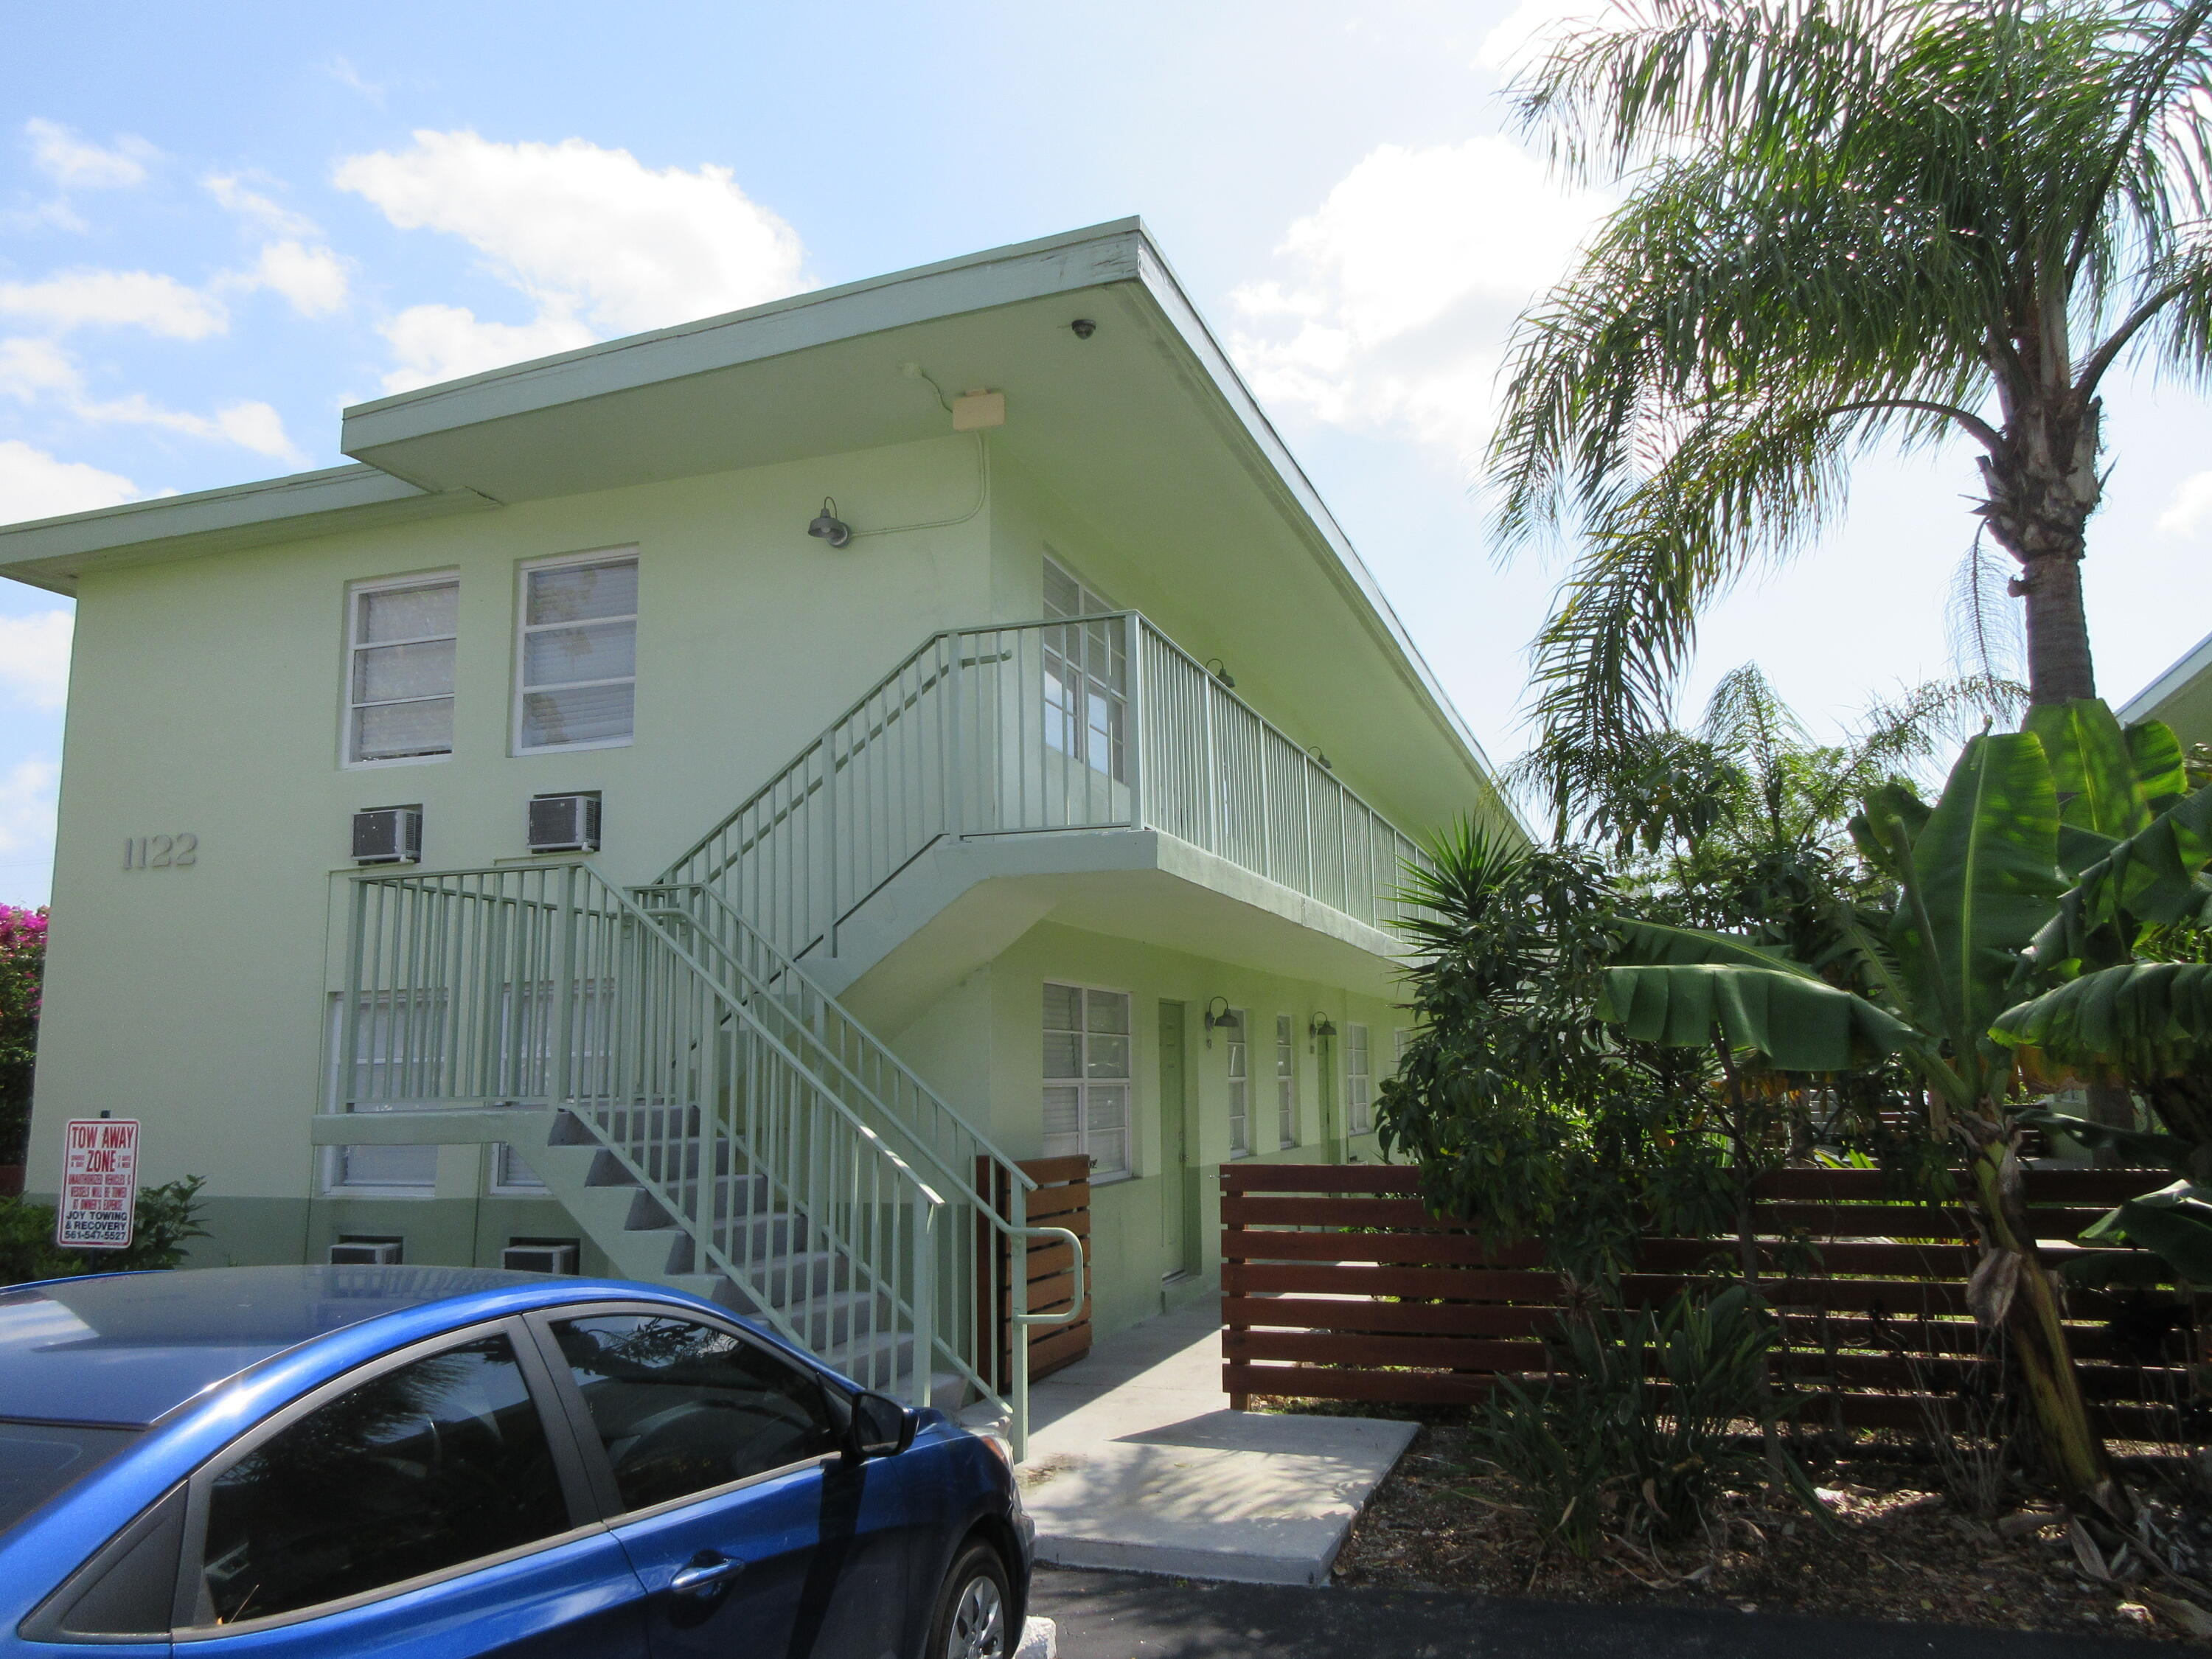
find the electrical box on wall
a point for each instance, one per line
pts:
(565, 823)
(388, 835)
(979, 411)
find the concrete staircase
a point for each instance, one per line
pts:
(806, 1296)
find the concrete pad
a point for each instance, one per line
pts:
(1135, 1464)
(1039, 1639)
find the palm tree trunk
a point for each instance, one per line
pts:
(2059, 669)
(2039, 492)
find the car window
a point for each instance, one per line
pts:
(37, 1460)
(681, 1406)
(421, 1468)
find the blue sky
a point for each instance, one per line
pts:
(219, 225)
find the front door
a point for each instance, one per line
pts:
(1179, 1230)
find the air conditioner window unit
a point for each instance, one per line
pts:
(564, 824)
(543, 1256)
(388, 835)
(365, 1253)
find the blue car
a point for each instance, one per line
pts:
(282, 1461)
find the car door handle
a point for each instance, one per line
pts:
(707, 1569)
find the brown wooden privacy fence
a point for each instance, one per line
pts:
(1337, 1284)
(1062, 1198)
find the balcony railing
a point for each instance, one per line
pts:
(1095, 723)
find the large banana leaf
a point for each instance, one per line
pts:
(2145, 1018)
(2153, 877)
(1653, 943)
(2091, 766)
(1889, 821)
(1792, 1020)
(1983, 877)
(2175, 1223)
(2143, 1148)
(2162, 770)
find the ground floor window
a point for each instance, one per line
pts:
(1359, 1081)
(1087, 1075)
(1286, 1082)
(1240, 1087)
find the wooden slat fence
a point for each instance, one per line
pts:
(1062, 1198)
(1337, 1284)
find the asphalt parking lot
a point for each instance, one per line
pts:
(1112, 1615)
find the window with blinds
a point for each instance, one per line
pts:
(1286, 1082)
(1358, 1082)
(1087, 1075)
(576, 654)
(1240, 1087)
(400, 642)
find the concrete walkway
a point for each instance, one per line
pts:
(1136, 1463)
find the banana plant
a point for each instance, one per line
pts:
(1978, 876)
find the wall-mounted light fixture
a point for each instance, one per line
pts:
(1219, 670)
(1317, 1027)
(1316, 752)
(1227, 1019)
(828, 526)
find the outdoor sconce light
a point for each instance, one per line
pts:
(1317, 1028)
(828, 526)
(1316, 752)
(1220, 672)
(1226, 1018)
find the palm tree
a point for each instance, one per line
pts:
(1851, 224)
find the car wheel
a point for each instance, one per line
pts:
(972, 1609)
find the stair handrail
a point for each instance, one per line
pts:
(786, 967)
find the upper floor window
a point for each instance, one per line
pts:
(1086, 677)
(1359, 1081)
(399, 669)
(576, 658)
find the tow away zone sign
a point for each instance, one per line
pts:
(99, 1184)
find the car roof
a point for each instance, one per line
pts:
(126, 1348)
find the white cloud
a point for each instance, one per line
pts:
(35, 485)
(600, 243)
(1403, 286)
(72, 162)
(140, 299)
(2189, 513)
(313, 279)
(29, 794)
(444, 342)
(32, 370)
(34, 656)
(230, 192)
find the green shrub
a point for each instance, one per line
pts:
(165, 1218)
(1599, 1448)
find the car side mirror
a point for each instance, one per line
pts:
(881, 1426)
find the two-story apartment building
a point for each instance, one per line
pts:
(726, 797)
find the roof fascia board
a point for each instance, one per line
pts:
(1079, 259)
(50, 553)
(2193, 662)
(1288, 478)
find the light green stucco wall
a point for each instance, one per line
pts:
(993, 1023)
(207, 697)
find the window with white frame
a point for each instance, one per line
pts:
(1401, 1039)
(393, 1037)
(576, 652)
(1358, 1082)
(1286, 1082)
(1086, 677)
(1240, 1087)
(400, 638)
(1087, 1075)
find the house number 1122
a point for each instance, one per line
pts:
(161, 851)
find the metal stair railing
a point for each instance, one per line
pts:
(544, 985)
